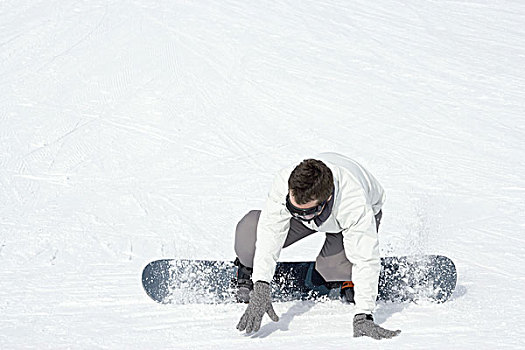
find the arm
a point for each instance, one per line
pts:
(356, 217)
(362, 249)
(272, 230)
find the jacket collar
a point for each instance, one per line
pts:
(327, 211)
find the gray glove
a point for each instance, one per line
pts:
(364, 326)
(260, 303)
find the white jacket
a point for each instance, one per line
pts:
(358, 197)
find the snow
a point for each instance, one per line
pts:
(138, 130)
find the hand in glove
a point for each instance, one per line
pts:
(260, 303)
(364, 326)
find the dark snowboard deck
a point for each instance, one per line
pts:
(402, 279)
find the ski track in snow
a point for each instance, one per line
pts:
(132, 131)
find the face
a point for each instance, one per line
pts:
(307, 211)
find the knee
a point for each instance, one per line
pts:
(248, 224)
(245, 237)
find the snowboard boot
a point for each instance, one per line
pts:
(244, 282)
(347, 287)
(347, 291)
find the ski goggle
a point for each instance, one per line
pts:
(306, 214)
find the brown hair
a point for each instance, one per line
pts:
(311, 180)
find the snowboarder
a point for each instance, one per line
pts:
(331, 194)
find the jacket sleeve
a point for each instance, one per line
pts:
(361, 248)
(272, 230)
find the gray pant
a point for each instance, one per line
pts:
(331, 262)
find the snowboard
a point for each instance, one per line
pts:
(402, 279)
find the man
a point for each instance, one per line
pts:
(331, 194)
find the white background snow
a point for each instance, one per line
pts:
(138, 130)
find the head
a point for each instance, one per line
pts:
(310, 183)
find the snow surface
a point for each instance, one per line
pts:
(138, 130)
